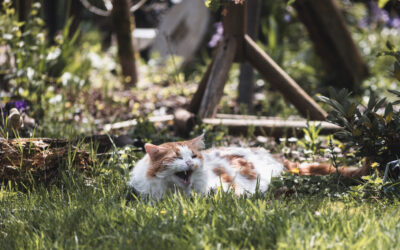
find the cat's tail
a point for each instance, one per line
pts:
(327, 169)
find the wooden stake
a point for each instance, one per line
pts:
(198, 96)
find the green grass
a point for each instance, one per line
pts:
(102, 215)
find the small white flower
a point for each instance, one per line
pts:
(337, 150)
(65, 78)
(30, 73)
(40, 37)
(7, 36)
(307, 152)
(55, 99)
(54, 54)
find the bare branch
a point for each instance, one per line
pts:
(94, 9)
(137, 6)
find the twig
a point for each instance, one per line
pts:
(108, 5)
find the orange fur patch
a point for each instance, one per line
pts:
(225, 177)
(245, 167)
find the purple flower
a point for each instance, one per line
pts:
(395, 22)
(219, 30)
(378, 14)
(21, 105)
(287, 17)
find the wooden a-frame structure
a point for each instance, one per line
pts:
(237, 46)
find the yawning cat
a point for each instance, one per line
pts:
(186, 167)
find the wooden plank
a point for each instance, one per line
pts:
(240, 124)
(281, 81)
(276, 127)
(133, 122)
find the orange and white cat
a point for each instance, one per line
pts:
(185, 166)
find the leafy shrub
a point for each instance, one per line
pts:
(35, 64)
(374, 130)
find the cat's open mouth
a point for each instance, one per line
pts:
(184, 176)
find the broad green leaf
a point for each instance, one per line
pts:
(371, 102)
(290, 2)
(389, 109)
(394, 92)
(382, 3)
(389, 45)
(379, 104)
(389, 117)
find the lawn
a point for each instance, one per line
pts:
(102, 214)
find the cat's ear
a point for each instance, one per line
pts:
(155, 152)
(198, 142)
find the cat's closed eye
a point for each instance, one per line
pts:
(194, 156)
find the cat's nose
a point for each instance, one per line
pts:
(189, 164)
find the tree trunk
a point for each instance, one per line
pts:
(122, 24)
(50, 9)
(246, 84)
(23, 8)
(332, 41)
(75, 8)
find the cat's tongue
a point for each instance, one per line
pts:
(184, 176)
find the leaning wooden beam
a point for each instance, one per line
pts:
(218, 76)
(281, 81)
(332, 41)
(198, 96)
(269, 127)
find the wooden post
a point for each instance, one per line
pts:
(235, 26)
(282, 82)
(246, 84)
(332, 42)
(122, 23)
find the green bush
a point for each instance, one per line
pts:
(374, 130)
(35, 64)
